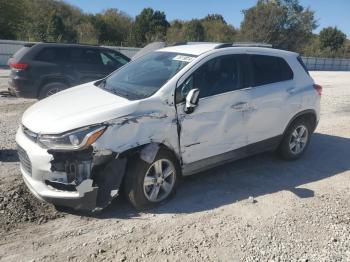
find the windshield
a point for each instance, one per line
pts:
(146, 75)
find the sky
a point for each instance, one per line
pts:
(328, 13)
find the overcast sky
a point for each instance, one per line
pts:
(328, 13)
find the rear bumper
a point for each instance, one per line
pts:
(22, 87)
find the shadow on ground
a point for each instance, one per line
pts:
(259, 175)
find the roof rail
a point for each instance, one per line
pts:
(179, 43)
(192, 43)
(243, 44)
(64, 43)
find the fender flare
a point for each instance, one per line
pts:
(301, 113)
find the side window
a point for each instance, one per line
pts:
(121, 59)
(112, 59)
(52, 54)
(85, 56)
(301, 62)
(287, 73)
(217, 76)
(269, 69)
(107, 60)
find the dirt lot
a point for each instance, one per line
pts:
(300, 211)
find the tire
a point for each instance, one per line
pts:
(140, 173)
(296, 140)
(51, 88)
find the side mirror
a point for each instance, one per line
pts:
(191, 100)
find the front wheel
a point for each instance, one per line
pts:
(295, 140)
(149, 184)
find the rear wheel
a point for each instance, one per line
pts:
(51, 88)
(295, 140)
(149, 184)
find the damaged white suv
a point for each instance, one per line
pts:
(170, 113)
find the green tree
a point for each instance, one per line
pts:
(45, 20)
(11, 18)
(56, 28)
(282, 23)
(332, 38)
(217, 30)
(194, 31)
(113, 26)
(215, 18)
(150, 26)
(175, 32)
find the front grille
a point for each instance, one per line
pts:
(31, 135)
(24, 160)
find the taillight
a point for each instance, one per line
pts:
(318, 89)
(19, 66)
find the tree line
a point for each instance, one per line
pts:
(283, 23)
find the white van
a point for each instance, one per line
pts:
(170, 113)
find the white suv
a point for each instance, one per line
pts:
(170, 113)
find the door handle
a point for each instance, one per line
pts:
(240, 106)
(291, 90)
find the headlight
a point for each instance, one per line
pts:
(72, 140)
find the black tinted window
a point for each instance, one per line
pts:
(300, 60)
(269, 69)
(52, 54)
(217, 76)
(85, 56)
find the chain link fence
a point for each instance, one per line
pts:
(326, 64)
(9, 47)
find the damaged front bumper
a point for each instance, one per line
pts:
(84, 180)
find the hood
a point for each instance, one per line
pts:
(75, 107)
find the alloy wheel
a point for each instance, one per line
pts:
(159, 180)
(298, 139)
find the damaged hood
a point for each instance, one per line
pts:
(75, 107)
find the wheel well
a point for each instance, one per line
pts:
(51, 80)
(137, 150)
(309, 116)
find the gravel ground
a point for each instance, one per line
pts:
(257, 209)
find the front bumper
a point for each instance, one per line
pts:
(37, 175)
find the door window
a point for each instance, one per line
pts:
(219, 75)
(112, 59)
(52, 54)
(269, 69)
(85, 56)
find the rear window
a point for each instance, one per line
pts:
(300, 60)
(269, 69)
(21, 52)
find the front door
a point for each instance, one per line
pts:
(86, 64)
(217, 125)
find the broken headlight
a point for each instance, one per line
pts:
(72, 140)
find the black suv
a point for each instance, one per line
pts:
(40, 70)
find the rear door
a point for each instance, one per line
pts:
(86, 63)
(49, 64)
(217, 124)
(271, 97)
